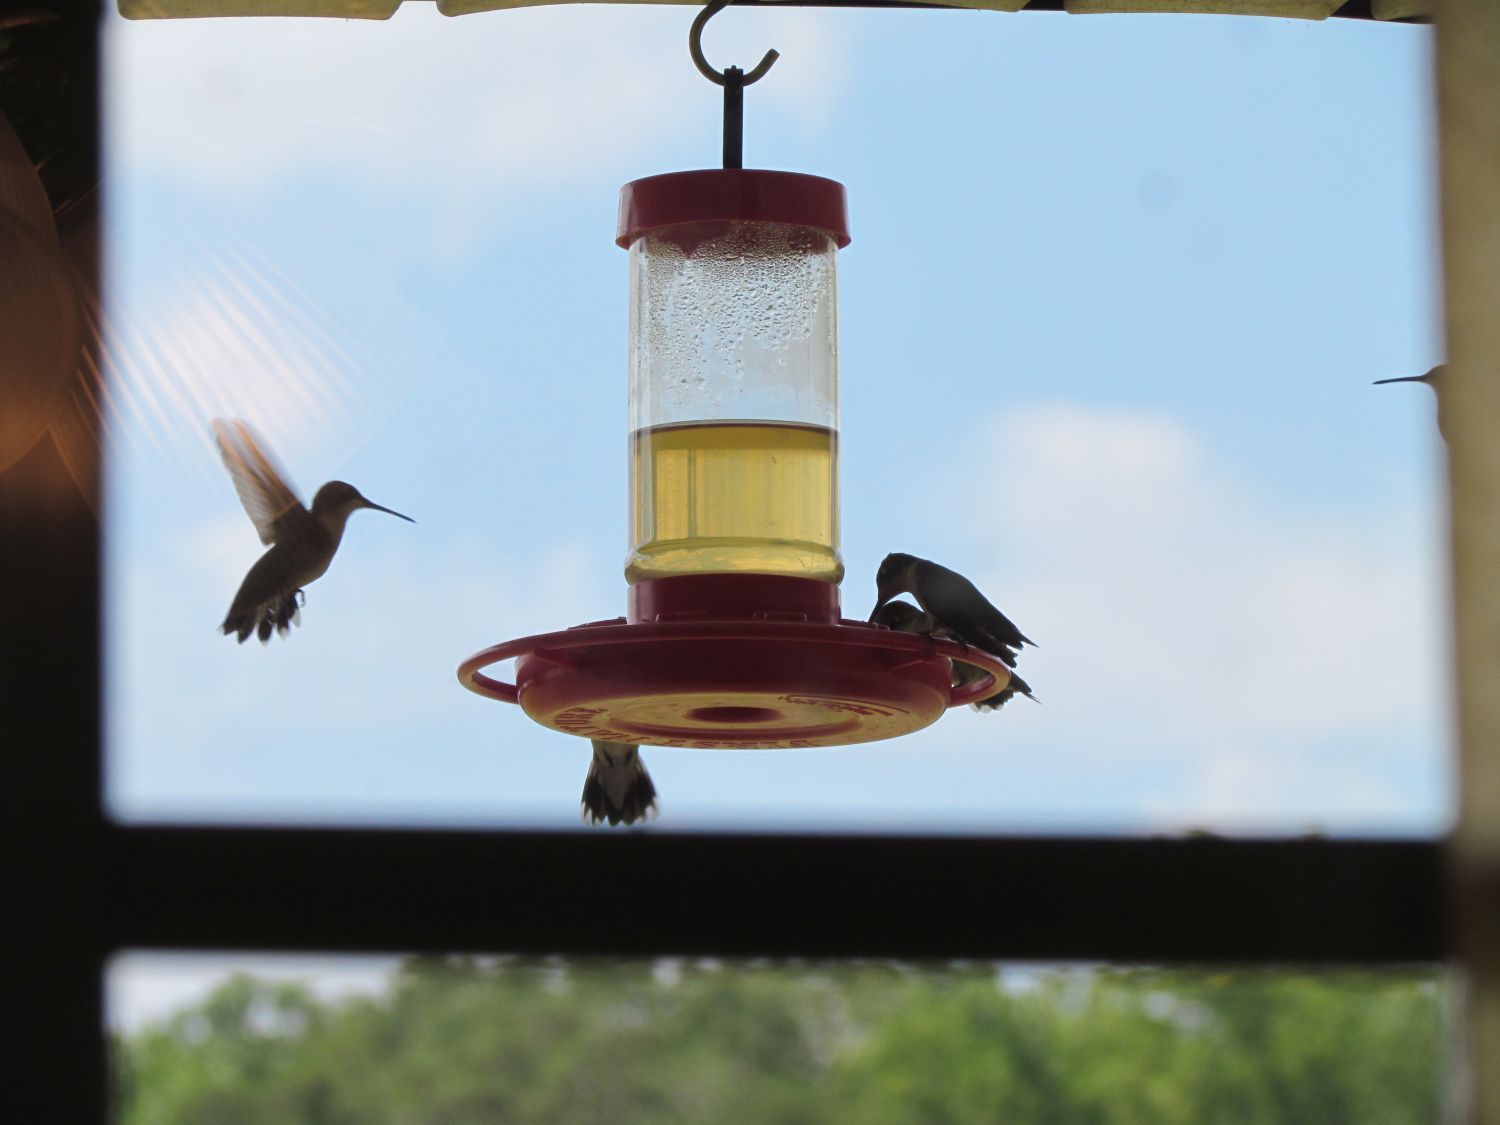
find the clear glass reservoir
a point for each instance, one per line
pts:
(733, 374)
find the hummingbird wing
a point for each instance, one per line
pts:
(957, 604)
(260, 481)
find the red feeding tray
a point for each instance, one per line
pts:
(733, 661)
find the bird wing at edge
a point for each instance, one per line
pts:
(259, 480)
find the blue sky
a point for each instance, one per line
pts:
(1117, 290)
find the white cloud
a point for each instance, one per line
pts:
(1187, 621)
(1194, 598)
(222, 330)
(398, 617)
(1209, 660)
(359, 711)
(147, 988)
(1246, 788)
(458, 107)
(207, 356)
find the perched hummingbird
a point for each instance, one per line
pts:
(953, 602)
(302, 542)
(618, 788)
(903, 617)
(1433, 378)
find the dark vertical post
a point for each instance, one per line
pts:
(52, 1054)
(51, 1025)
(1468, 84)
(734, 117)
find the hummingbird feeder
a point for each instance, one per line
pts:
(732, 635)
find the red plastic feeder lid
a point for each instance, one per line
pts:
(732, 195)
(718, 672)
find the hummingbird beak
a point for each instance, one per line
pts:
(882, 596)
(1403, 379)
(387, 511)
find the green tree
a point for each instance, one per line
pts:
(1162, 1047)
(458, 1041)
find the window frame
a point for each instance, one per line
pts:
(80, 887)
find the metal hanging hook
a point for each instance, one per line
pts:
(695, 46)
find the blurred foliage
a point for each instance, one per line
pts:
(459, 1041)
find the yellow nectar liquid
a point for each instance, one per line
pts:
(734, 497)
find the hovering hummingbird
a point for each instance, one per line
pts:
(618, 788)
(903, 617)
(954, 603)
(1433, 379)
(302, 542)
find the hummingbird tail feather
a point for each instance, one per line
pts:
(289, 614)
(1001, 698)
(994, 702)
(276, 616)
(618, 791)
